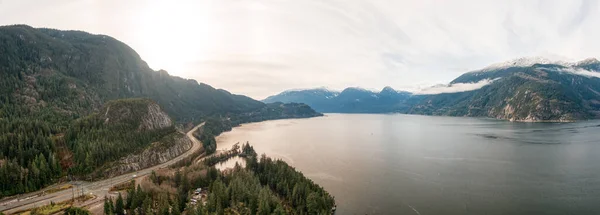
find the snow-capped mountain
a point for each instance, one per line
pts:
(530, 61)
(350, 100)
(524, 89)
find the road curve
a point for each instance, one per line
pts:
(98, 188)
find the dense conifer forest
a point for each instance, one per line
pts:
(54, 86)
(263, 186)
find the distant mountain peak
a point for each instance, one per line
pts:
(530, 61)
(587, 61)
(388, 89)
(325, 89)
(361, 89)
(526, 62)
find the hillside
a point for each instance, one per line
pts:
(350, 100)
(123, 127)
(61, 75)
(70, 105)
(524, 92)
(525, 89)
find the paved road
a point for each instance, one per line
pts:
(98, 188)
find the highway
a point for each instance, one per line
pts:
(97, 188)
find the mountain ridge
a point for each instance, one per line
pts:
(349, 100)
(525, 89)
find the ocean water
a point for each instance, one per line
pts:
(408, 164)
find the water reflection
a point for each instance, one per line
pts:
(230, 163)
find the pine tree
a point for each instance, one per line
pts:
(107, 210)
(120, 207)
(147, 205)
(111, 205)
(263, 202)
(175, 208)
(129, 199)
(312, 203)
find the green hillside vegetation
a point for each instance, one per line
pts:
(58, 75)
(264, 186)
(54, 86)
(537, 93)
(95, 142)
(27, 156)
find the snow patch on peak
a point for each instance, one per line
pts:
(388, 89)
(526, 62)
(587, 61)
(326, 89)
(363, 89)
(530, 61)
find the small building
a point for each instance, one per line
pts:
(198, 191)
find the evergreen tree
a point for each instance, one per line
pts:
(175, 208)
(147, 206)
(107, 210)
(120, 206)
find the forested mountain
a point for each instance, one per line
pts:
(526, 89)
(61, 75)
(122, 127)
(56, 89)
(350, 100)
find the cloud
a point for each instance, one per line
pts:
(580, 71)
(288, 44)
(455, 88)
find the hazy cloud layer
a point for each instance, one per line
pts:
(262, 47)
(582, 72)
(454, 88)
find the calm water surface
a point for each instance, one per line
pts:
(404, 164)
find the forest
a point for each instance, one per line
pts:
(52, 83)
(264, 186)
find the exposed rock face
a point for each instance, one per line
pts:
(144, 114)
(155, 119)
(151, 156)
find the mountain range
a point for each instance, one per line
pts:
(525, 89)
(350, 100)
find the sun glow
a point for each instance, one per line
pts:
(172, 36)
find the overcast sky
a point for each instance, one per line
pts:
(261, 47)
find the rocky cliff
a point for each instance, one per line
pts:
(156, 153)
(144, 114)
(146, 118)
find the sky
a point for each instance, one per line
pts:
(262, 47)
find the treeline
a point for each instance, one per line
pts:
(137, 201)
(264, 186)
(218, 158)
(301, 194)
(213, 126)
(95, 142)
(27, 158)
